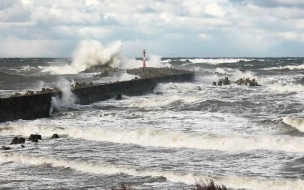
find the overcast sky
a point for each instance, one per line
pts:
(174, 28)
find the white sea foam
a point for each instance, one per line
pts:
(295, 122)
(188, 178)
(126, 76)
(216, 61)
(175, 87)
(290, 67)
(172, 139)
(207, 79)
(237, 74)
(166, 61)
(220, 70)
(285, 87)
(26, 68)
(161, 101)
(94, 167)
(233, 74)
(261, 184)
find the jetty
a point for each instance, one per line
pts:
(33, 105)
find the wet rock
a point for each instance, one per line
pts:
(162, 179)
(247, 81)
(214, 83)
(220, 83)
(18, 140)
(31, 138)
(159, 93)
(16, 95)
(29, 92)
(55, 136)
(123, 187)
(21, 140)
(226, 81)
(119, 97)
(34, 138)
(5, 148)
(15, 140)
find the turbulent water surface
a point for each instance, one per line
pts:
(240, 136)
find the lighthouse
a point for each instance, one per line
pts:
(144, 58)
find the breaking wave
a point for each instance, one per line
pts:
(286, 88)
(215, 61)
(171, 139)
(188, 178)
(295, 122)
(288, 67)
(89, 53)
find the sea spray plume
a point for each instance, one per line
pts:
(92, 53)
(239, 74)
(67, 98)
(153, 61)
(87, 54)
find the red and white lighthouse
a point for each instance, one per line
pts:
(144, 58)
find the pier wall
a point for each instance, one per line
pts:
(35, 106)
(25, 107)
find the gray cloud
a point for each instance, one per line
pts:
(162, 26)
(271, 3)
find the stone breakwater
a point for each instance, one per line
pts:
(240, 81)
(32, 105)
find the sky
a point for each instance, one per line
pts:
(168, 28)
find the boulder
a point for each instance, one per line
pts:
(119, 97)
(5, 148)
(15, 140)
(21, 140)
(55, 136)
(34, 138)
(226, 81)
(39, 137)
(31, 138)
(18, 140)
(220, 83)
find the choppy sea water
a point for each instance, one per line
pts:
(242, 137)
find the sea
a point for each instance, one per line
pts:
(243, 137)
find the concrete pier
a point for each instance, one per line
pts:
(33, 106)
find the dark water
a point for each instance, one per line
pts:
(240, 136)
